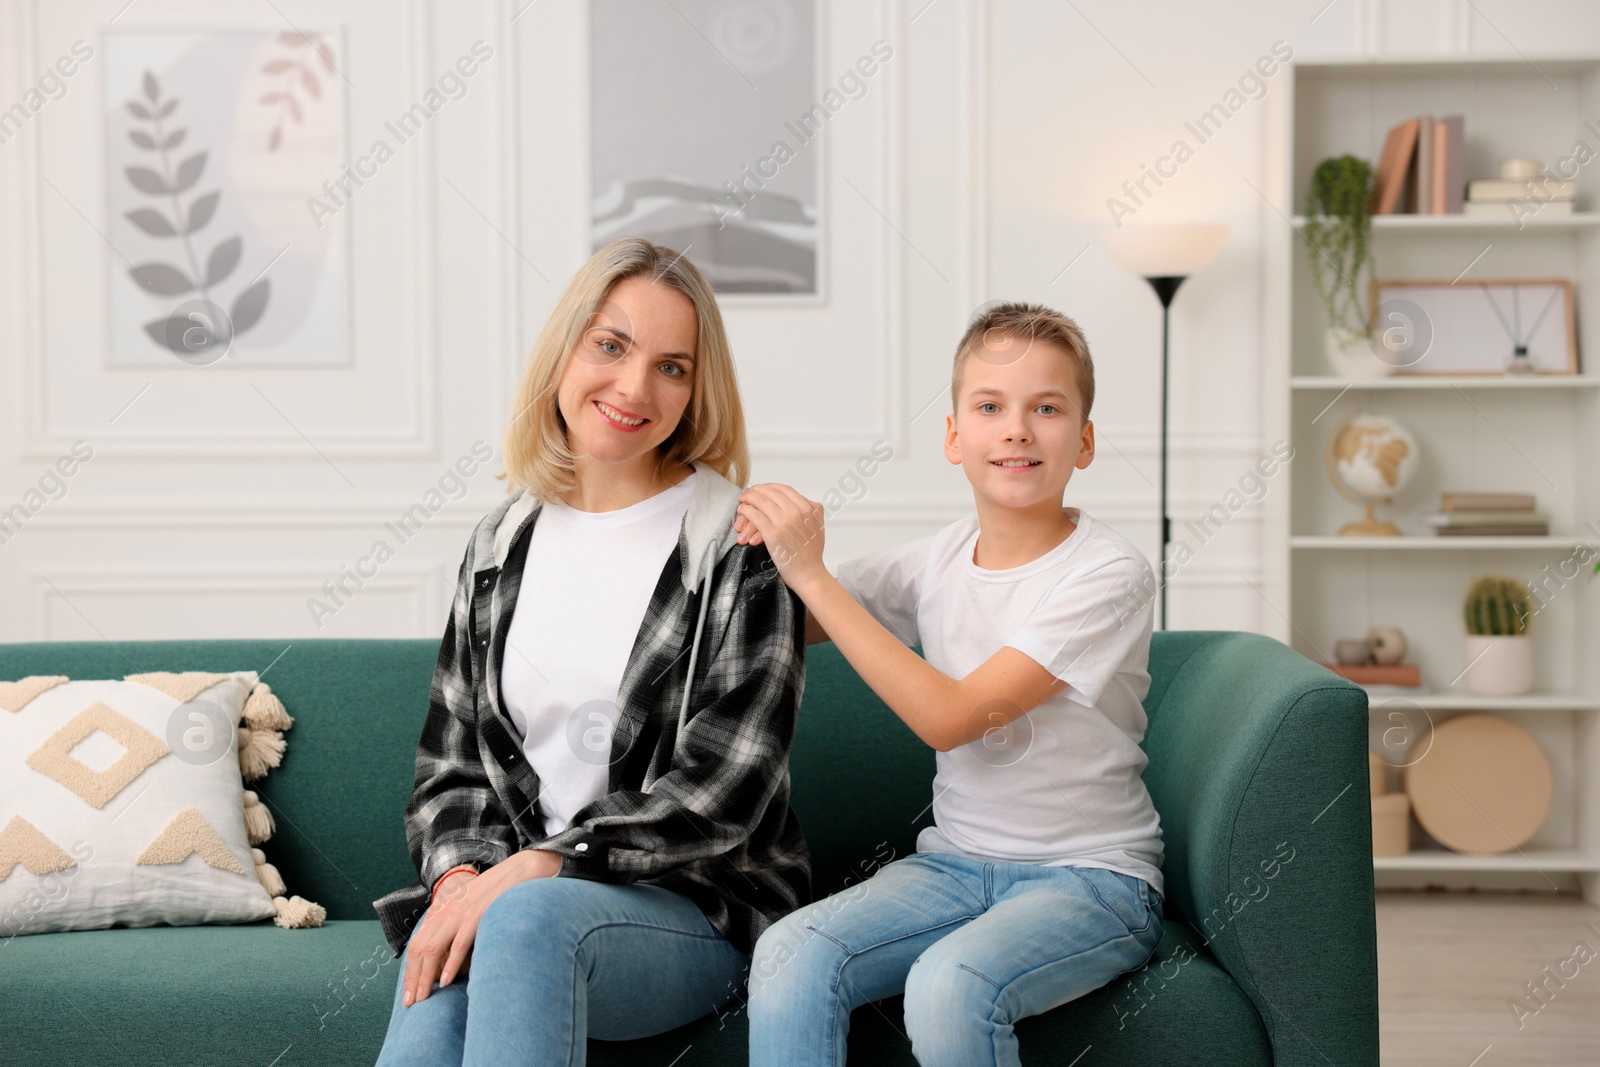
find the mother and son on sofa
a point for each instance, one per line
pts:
(601, 820)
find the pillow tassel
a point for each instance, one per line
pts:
(298, 913)
(259, 752)
(264, 711)
(268, 875)
(258, 824)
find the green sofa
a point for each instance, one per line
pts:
(1257, 765)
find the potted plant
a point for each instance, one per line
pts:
(1339, 232)
(1499, 653)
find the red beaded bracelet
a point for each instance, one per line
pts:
(446, 874)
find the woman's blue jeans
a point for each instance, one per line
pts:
(974, 946)
(559, 960)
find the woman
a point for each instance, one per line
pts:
(601, 818)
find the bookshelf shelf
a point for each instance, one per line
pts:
(1312, 382)
(1471, 702)
(1538, 434)
(1533, 860)
(1578, 220)
(1435, 543)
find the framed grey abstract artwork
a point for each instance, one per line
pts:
(703, 136)
(223, 180)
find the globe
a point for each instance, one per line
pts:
(1369, 459)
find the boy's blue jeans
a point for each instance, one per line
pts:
(974, 946)
(559, 960)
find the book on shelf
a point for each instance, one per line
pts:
(1381, 689)
(1543, 188)
(1532, 529)
(1422, 168)
(1405, 675)
(1487, 517)
(1452, 142)
(1420, 193)
(1394, 166)
(1515, 209)
(1487, 500)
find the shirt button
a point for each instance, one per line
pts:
(582, 846)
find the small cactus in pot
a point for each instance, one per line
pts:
(1499, 654)
(1498, 607)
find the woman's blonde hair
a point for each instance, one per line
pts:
(536, 451)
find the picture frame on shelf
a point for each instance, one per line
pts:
(1491, 327)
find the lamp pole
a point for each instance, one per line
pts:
(1166, 287)
(1165, 257)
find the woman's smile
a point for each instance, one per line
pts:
(618, 419)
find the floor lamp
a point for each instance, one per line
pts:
(1165, 256)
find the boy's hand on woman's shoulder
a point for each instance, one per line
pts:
(776, 515)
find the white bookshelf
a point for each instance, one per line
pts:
(1530, 434)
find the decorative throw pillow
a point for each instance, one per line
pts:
(123, 803)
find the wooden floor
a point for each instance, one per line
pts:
(1450, 965)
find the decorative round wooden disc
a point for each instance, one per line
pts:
(1483, 787)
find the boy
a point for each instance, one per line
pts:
(1040, 879)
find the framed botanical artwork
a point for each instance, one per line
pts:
(1514, 326)
(738, 195)
(221, 148)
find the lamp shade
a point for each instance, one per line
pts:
(1165, 251)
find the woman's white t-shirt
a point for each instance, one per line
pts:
(1062, 785)
(587, 582)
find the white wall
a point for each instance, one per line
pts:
(976, 167)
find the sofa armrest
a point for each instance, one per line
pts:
(1258, 768)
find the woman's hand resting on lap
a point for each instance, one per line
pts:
(442, 944)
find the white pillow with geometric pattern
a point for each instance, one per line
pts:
(122, 803)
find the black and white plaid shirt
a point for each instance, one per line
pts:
(698, 797)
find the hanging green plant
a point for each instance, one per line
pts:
(1338, 230)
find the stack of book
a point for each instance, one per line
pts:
(1422, 170)
(1496, 196)
(1488, 515)
(1382, 679)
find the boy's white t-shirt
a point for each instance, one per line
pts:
(585, 587)
(1063, 785)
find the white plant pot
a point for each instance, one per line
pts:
(1499, 665)
(1351, 356)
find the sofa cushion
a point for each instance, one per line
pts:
(197, 995)
(227, 995)
(1193, 1014)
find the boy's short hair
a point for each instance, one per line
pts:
(1027, 322)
